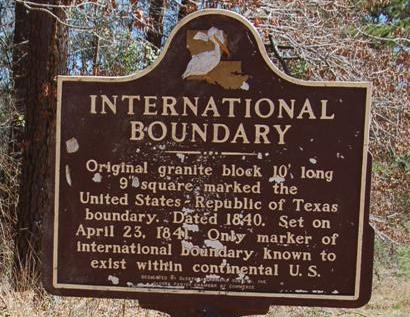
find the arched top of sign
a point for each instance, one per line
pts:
(208, 49)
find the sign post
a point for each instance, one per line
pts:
(212, 184)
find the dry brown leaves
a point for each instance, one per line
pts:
(326, 36)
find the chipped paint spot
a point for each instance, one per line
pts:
(301, 148)
(339, 155)
(193, 228)
(186, 210)
(187, 245)
(260, 156)
(97, 178)
(313, 160)
(113, 279)
(276, 179)
(181, 157)
(67, 175)
(317, 291)
(72, 145)
(301, 291)
(214, 244)
(242, 277)
(135, 182)
(213, 277)
(245, 86)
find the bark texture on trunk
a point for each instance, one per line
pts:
(36, 92)
(156, 14)
(20, 48)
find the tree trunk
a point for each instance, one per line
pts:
(156, 14)
(36, 90)
(19, 73)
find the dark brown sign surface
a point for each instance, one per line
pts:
(211, 181)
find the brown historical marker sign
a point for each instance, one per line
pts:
(211, 182)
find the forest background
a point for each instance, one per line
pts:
(363, 40)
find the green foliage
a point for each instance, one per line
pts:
(394, 10)
(390, 257)
(135, 57)
(113, 39)
(403, 162)
(20, 121)
(403, 255)
(300, 69)
(392, 164)
(383, 255)
(389, 20)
